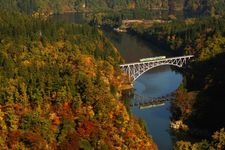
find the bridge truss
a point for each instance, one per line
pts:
(135, 70)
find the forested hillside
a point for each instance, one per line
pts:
(60, 83)
(204, 7)
(59, 88)
(200, 101)
(200, 7)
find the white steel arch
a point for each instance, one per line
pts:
(135, 70)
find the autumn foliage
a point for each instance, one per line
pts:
(59, 89)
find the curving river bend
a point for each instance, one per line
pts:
(157, 82)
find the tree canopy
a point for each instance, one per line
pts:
(59, 89)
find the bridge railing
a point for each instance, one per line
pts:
(136, 69)
(166, 59)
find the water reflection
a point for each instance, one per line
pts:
(157, 124)
(157, 82)
(133, 48)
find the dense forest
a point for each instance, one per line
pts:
(60, 88)
(206, 7)
(199, 104)
(60, 83)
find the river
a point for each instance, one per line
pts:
(154, 83)
(157, 82)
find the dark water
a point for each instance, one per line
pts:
(154, 83)
(157, 82)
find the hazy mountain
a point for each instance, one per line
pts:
(202, 7)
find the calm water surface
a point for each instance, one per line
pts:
(154, 83)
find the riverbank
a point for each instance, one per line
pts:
(127, 24)
(157, 119)
(60, 90)
(143, 23)
(176, 41)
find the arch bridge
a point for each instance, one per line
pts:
(136, 69)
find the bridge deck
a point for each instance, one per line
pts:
(166, 59)
(136, 69)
